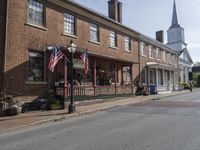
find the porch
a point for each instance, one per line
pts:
(105, 77)
(164, 77)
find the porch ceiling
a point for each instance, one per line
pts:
(111, 57)
(161, 66)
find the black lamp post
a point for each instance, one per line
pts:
(71, 49)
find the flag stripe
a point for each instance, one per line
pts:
(55, 57)
(84, 57)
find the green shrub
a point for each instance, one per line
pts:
(185, 85)
(55, 105)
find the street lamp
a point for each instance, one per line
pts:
(71, 49)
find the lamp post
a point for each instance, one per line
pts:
(71, 49)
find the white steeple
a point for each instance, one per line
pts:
(176, 37)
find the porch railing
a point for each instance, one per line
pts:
(98, 90)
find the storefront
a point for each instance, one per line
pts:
(105, 76)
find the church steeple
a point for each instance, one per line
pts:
(175, 34)
(174, 17)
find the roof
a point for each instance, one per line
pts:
(174, 17)
(141, 36)
(187, 54)
(156, 43)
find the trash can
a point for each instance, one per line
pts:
(153, 89)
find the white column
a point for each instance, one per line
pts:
(156, 77)
(163, 74)
(186, 75)
(170, 77)
(174, 83)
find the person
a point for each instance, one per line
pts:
(139, 88)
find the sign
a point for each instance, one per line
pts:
(78, 63)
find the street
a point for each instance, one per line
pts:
(171, 123)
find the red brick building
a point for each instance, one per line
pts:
(29, 26)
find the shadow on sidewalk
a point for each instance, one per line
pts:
(30, 115)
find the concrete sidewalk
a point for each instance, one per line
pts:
(38, 117)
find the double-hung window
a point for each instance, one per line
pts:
(94, 32)
(142, 49)
(113, 39)
(158, 54)
(127, 42)
(165, 56)
(36, 66)
(143, 76)
(36, 13)
(69, 24)
(175, 59)
(151, 52)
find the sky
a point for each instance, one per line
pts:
(149, 16)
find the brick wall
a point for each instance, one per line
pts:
(2, 39)
(28, 37)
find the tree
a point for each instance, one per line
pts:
(197, 64)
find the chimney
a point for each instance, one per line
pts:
(119, 4)
(115, 10)
(160, 36)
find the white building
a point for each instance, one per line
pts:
(176, 39)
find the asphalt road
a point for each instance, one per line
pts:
(167, 124)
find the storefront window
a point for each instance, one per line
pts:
(36, 66)
(143, 76)
(105, 73)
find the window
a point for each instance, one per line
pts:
(113, 39)
(175, 59)
(142, 49)
(151, 78)
(69, 24)
(36, 66)
(143, 76)
(158, 54)
(159, 78)
(151, 52)
(127, 42)
(170, 58)
(94, 32)
(164, 56)
(36, 12)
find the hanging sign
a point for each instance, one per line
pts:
(78, 64)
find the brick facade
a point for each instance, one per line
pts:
(28, 37)
(22, 37)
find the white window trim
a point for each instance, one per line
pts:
(157, 54)
(98, 33)
(145, 70)
(129, 50)
(143, 49)
(151, 51)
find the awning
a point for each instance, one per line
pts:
(161, 66)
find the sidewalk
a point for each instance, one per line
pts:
(38, 117)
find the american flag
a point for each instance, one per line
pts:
(84, 57)
(55, 57)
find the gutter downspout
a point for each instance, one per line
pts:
(6, 47)
(139, 59)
